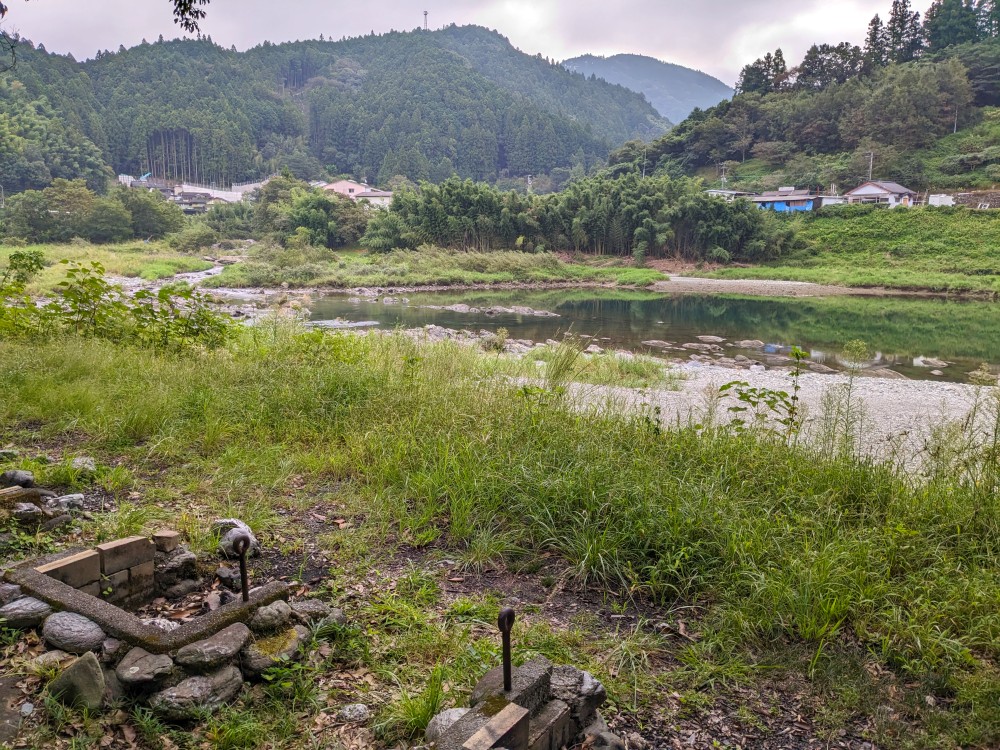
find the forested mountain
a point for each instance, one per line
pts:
(422, 105)
(917, 104)
(672, 89)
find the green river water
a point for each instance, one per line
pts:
(901, 332)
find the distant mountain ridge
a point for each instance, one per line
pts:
(673, 90)
(422, 105)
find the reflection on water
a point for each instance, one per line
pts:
(912, 336)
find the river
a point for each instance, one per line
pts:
(901, 333)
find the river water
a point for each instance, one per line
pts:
(901, 333)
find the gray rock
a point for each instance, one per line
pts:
(81, 683)
(113, 690)
(49, 659)
(308, 611)
(216, 650)
(73, 633)
(56, 522)
(68, 502)
(580, 691)
(231, 528)
(140, 667)
(27, 513)
(229, 578)
(9, 592)
(17, 478)
(174, 567)
(181, 589)
(271, 618)
(161, 623)
(84, 464)
(264, 653)
(749, 344)
(442, 723)
(605, 741)
(27, 709)
(24, 613)
(112, 650)
(196, 695)
(354, 713)
(710, 339)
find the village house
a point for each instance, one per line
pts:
(378, 198)
(891, 194)
(350, 188)
(787, 200)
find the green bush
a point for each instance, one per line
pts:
(195, 236)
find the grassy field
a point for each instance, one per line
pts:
(311, 267)
(149, 261)
(932, 249)
(793, 587)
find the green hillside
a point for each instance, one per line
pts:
(672, 89)
(423, 105)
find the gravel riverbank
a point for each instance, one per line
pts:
(897, 416)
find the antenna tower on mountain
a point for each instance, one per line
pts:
(425, 20)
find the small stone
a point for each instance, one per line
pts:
(605, 741)
(81, 683)
(354, 713)
(140, 667)
(636, 741)
(72, 632)
(216, 650)
(181, 589)
(749, 344)
(84, 464)
(308, 611)
(56, 523)
(197, 695)
(271, 618)
(173, 567)
(231, 528)
(113, 690)
(17, 478)
(264, 653)
(442, 722)
(937, 372)
(49, 659)
(9, 592)
(112, 650)
(27, 709)
(24, 613)
(161, 623)
(593, 349)
(229, 578)
(710, 339)
(68, 502)
(27, 513)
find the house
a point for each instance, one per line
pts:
(350, 188)
(728, 195)
(788, 200)
(891, 194)
(378, 198)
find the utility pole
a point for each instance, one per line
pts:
(425, 20)
(725, 178)
(871, 164)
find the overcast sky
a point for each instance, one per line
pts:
(717, 36)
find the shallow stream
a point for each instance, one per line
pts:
(902, 333)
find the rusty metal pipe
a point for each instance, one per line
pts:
(241, 546)
(506, 623)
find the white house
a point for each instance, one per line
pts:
(888, 193)
(378, 198)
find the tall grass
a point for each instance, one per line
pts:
(778, 543)
(273, 266)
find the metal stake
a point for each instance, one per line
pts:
(241, 545)
(506, 623)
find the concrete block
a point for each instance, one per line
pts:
(530, 684)
(123, 554)
(76, 570)
(507, 729)
(166, 540)
(91, 589)
(550, 730)
(140, 580)
(116, 582)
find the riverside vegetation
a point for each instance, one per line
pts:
(872, 590)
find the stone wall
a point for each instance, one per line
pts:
(548, 708)
(120, 572)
